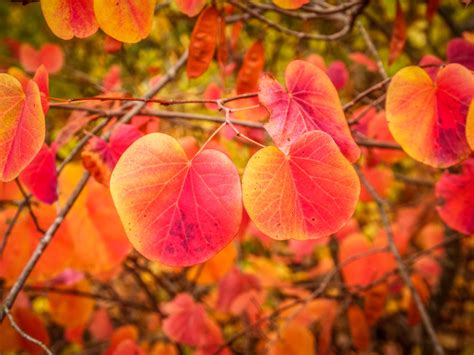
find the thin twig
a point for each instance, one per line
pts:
(381, 204)
(373, 50)
(24, 335)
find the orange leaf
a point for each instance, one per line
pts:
(128, 21)
(71, 311)
(203, 42)
(309, 193)
(290, 4)
(294, 339)
(252, 67)
(399, 35)
(70, 18)
(359, 329)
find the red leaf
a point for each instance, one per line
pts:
(233, 285)
(41, 79)
(455, 195)
(362, 59)
(189, 324)
(338, 74)
(431, 9)
(190, 7)
(111, 45)
(311, 103)
(100, 157)
(213, 92)
(50, 55)
(40, 175)
(176, 210)
(399, 35)
(462, 52)
(203, 42)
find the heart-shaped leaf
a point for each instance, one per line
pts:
(22, 126)
(176, 210)
(309, 193)
(128, 21)
(311, 103)
(70, 18)
(428, 118)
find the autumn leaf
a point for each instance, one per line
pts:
(22, 120)
(290, 4)
(203, 42)
(100, 157)
(176, 210)
(40, 175)
(295, 196)
(190, 7)
(454, 195)
(251, 69)
(428, 118)
(128, 21)
(311, 103)
(51, 56)
(70, 18)
(399, 34)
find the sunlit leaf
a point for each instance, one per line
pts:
(428, 119)
(175, 210)
(311, 103)
(309, 193)
(128, 21)
(70, 18)
(22, 126)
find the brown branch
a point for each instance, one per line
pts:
(25, 335)
(92, 295)
(381, 204)
(26, 198)
(373, 50)
(380, 85)
(300, 35)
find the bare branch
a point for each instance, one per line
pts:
(381, 204)
(23, 334)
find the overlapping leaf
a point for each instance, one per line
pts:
(311, 103)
